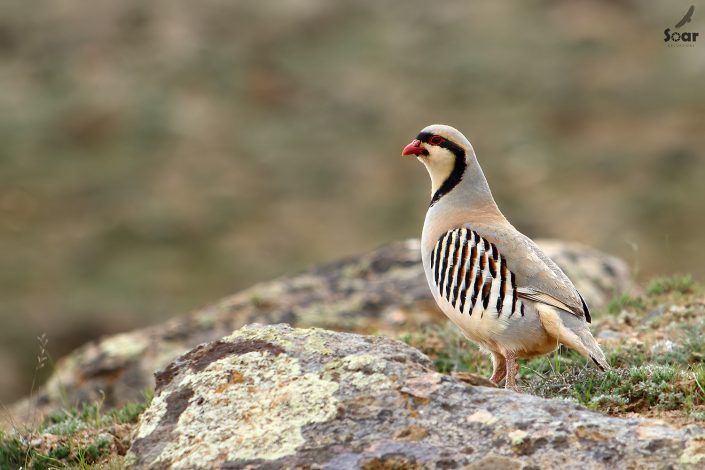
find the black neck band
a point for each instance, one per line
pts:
(458, 167)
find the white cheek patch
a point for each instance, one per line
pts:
(439, 163)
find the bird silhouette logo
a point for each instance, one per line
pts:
(681, 38)
(687, 17)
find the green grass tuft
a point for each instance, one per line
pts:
(12, 452)
(128, 413)
(82, 438)
(625, 302)
(677, 283)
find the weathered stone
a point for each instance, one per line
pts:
(382, 292)
(310, 398)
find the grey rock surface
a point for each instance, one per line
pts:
(381, 292)
(277, 397)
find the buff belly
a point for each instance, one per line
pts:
(523, 335)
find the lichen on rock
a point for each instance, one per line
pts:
(266, 411)
(310, 398)
(249, 378)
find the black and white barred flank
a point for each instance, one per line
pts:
(468, 269)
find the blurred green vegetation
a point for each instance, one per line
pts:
(157, 156)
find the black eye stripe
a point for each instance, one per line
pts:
(425, 137)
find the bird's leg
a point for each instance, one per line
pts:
(512, 369)
(499, 368)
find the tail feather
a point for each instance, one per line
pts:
(573, 332)
(603, 366)
(594, 351)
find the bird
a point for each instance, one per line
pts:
(493, 282)
(687, 17)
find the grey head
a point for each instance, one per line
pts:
(456, 176)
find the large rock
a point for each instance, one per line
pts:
(278, 397)
(381, 292)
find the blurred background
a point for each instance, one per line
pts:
(156, 156)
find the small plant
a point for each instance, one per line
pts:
(128, 413)
(82, 438)
(42, 359)
(699, 377)
(449, 350)
(678, 283)
(12, 452)
(623, 302)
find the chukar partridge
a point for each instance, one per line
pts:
(492, 281)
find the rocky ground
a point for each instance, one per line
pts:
(317, 398)
(278, 397)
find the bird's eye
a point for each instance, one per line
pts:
(436, 140)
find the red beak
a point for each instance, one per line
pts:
(414, 148)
